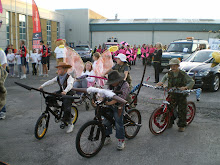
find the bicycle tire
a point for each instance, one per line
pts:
(43, 118)
(74, 113)
(129, 126)
(154, 123)
(97, 128)
(191, 111)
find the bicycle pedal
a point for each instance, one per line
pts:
(62, 126)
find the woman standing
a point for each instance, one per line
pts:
(157, 61)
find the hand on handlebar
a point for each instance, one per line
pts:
(63, 93)
(159, 84)
(40, 88)
(183, 88)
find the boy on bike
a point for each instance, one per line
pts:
(117, 83)
(179, 79)
(65, 82)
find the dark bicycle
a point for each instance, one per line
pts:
(52, 107)
(91, 136)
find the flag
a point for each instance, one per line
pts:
(37, 33)
(1, 9)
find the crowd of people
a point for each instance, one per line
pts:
(119, 78)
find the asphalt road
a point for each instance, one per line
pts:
(198, 145)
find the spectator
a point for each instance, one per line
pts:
(23, 53)
(3, 75)
(27, 61)
(48, 56)
(99, 49)
(11, 62)
(39, 66)
(157, 61)
(34, 56)
(44, 59)
(18, 60)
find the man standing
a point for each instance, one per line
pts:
(44, 58)
(3, 92)
(23, 52)
(48, 56)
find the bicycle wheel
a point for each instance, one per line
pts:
(41, 126)
(74, 114)
(158, 121)
(130, 123)
(90, 139)
(191, 111)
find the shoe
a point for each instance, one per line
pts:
(155, 81)
(70, 128)
(181, 129)
(108, 140)
(22, 77)
(46, 75)
(25, 76)
(18, 76)
(121, 144)
(2, 115)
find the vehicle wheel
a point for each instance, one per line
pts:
(131, 119)
(215, 83)
(90, 139)
(158, 121)
(74, 114)
(191, 111)
(41, 126)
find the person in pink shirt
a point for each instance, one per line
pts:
(151, 51)
(144, 53)
(122, 50)
(134, 54)
(99, 49)
(128, 54)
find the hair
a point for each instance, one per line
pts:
(42, 41)
(23, 42)
(97, 55)
(100, 47)
(160, 45)
(88, 62)
(34, 50)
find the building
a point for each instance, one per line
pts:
(17, 24)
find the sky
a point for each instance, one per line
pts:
(189, 9)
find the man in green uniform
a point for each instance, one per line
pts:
(178, 78)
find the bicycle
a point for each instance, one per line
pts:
(160, 118)
(53, 108)
(91, 136)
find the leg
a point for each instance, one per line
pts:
(119, 125)
(48, 62)
(108, 124)
(27, 66)
(182, 111)
(67, 103)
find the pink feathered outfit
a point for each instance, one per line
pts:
(134, 53)
(129, 54)
(144, 51)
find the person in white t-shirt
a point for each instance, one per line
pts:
(27, 61)
(39, 66)
(60, 50)
(3, 59)
(18, 60)
(34, 61)
(11, 62)
(89, 81)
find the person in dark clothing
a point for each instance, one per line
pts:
(157, 61)
(48, 56)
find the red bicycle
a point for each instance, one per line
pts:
(160, 118)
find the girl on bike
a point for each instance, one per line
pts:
(179, 79)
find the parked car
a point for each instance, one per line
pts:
(84, 51)
(181, 49)
(109, 44)
(203, 68)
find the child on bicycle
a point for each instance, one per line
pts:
(179, 79)
(65, 82)
(116, 83)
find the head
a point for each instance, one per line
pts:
(139, 46)
(128, 46)
(114, 78)
(22, 42)
(59, 42)
(41, 42)
(174, 64)
(48, 45)
(62, 68)
(120, 59)
(34, 51)
(96, 56)
(88, 66)
(158, 45)
(100, 47)
(9, 51)
(134, 46)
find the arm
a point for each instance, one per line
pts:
(50, 82)
(164, 79)
(190, 82)
(70, 82)
(126, 74)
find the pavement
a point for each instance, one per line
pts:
(198, 145)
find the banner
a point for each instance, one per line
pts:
(37, 33)
(1, 9)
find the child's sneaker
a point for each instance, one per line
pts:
(121, 144)
(107, 140)
(2, 115)
(70, 128)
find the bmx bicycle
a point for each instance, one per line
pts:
(160, 118)
(91, 136)
(53, 108)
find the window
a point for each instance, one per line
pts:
(58, 30)
(22, 27)
(49, 32)
(7, 27)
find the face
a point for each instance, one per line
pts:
(118, 61)
(115, 84)
(174, 68)
(61, 71)
(94, 58)
(88, 67)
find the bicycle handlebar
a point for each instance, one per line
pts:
(85, 76)
(48, 93)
